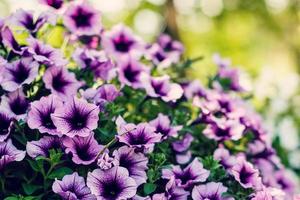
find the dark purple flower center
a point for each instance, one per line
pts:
(159, 88)
(83, 152)
(122, 43)
(112, 190)
(185, 176)
(126, 162)
(222, 132)
(130, 74)
(137, 139)
(78, 119)
(160, 57)
(47, 121)
(82, 18)
(42, 52)
(5, 122)
(3, 152)
(163, 130)
(168, 46)
(59, 82)
(19, 106)
(245, 175)
(20, 74)
(28, 22)
(55, 3)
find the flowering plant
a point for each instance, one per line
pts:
(111, 117)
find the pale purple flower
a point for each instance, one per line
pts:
(183, 144)
(84, 150)
(194, 88)
(42, 146)
(162, 87)
(121, 41)
(9, 40)
(76, 117)
(6, 122)
(19, 73)
(285, 181)
(223, 156)
(171, 47)
(135, 163)
(187, 177)
(61, 82)
(269, 194)
(9, 153)
(162, 125)
(211, 190)
(105, 161)
(111, 184)
(16, 104)
(184, 157)
(39, 116)
(161, 59)
(72, 187)
(57, 4)
(82, 19)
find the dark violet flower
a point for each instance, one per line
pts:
(82, 19)
(135, 163)
(6, 122)
(39, 116)
(138, 136)
(210, 191)
(18, 73)
(76, 117)
(183, 144)
(121, 41)
(105, 161)
(130, 72)
(223, 156)
(171, 47)
(72, 187)
(162, 87)
(187, 177)
(84, 150)
(16, 103)
(111, 184)
(9, 40)
(44, 53)
(245, 173)
(57, 4)
(162, 125)
(26, 19)
(42, 146)
(9, 153)
(61, 82)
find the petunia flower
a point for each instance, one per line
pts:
(9, 40)
(211, 190)
(172, 47)
(72, 187)
(82, 19)
(120, 41)
(57, 4)
(194, 88)
(84, 150)
(285, 181)
(61, 82)
(42, 146)
(39, 116)
(162, 125)
(19, 73)
(6, 122)
(161, 59)
(112, 184)
(9, 153)
(76, 117)
(225, 159)
(269, 194)
(187, 177)
(16, 104)
(135, 163)
(162, 87)
(181, 147)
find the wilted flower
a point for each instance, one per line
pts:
(6, 122)
(211, 190)
(187, 177)
(82, 19)
(39, 116)
(105, 161)
(76, 117)
(111, 184)
(42, 146)
(84, 150)
(9, 153)
(135, 163)
(61, 82)
(18, 73)
(72, 187)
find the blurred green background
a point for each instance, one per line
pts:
(262, 37)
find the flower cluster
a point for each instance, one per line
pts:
(105, 117)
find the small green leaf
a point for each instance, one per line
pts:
(149, 188)
(30, 189)
(60, 173)
(11, 198)
(34, 165)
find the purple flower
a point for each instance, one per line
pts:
(285, 181)
(105, 162)
(130, 72)
(72, 187)
(135, 163)
(187, 177)
(25, 19)
(111, 184)
(18, 73)
(44, 53)
(16, 103)
(269, 194)
(42, 146)
(61, 82)
(82, 19)
(223, 156)
(161, 87)
(211, 190)
(76, 117)
(171, 47)
(184, 157)
(121, 41)
(183, 144)
(6, 122)
(39, 116)
(162, 125)
(9, 153)
(96, 61)
(57, 4)
(84, 150)
(193, 89)
(9, 40)
(160, 58)
(245, 173)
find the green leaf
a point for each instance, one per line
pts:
(11, 198)
(30, 189)
(34, 165)
(149, 188)
(60, 173)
